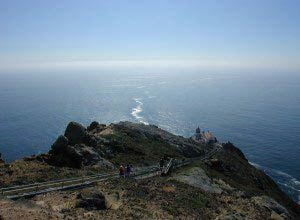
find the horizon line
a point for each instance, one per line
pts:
(98, 64)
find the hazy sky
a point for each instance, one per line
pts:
(95, 33)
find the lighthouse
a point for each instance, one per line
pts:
(198, 134)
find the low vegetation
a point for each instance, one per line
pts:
(224, 186)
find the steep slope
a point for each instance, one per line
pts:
(232, 166)
(224, 186)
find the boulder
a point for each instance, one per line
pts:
(74, 156)
(94, 201)
(60, 143)
(75, 133)
(95, 126)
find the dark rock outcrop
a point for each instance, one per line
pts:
(1, 159)
(75, 133)
(74, 156)
(96, 127)
(93, 125)
(124, 142)
(232, 149)
(77, 148)
(220, 165)
(90, 140)
(60, 144)
(216, 165)
(93, 201)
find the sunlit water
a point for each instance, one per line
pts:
(260, 113)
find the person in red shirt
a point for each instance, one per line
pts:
(121, 171)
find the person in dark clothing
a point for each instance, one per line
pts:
(128, 170)
(161, 163)
(131, 170)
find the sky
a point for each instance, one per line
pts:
(242, 34)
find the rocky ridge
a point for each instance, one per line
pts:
(225, 186)
(99, 144)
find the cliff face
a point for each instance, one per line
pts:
(235, 170)
(225, 186)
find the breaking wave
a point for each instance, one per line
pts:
(287, 183)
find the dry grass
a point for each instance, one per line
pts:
(25, 172)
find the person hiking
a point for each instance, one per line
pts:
(128, 170)
(131, 170)
(121, 171)
(161, 163)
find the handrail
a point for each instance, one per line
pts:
(167, 168)
(51, 181)
(40, 190)
(42, 187)
(37, 186)
(65, 180)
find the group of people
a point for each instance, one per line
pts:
(126, 171)
(163, 161)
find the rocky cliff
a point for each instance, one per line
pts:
(124, 142)
(224, 186)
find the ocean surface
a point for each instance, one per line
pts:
(258, 112)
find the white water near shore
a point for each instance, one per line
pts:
(285, 181)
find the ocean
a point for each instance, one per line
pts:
(258, 112)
